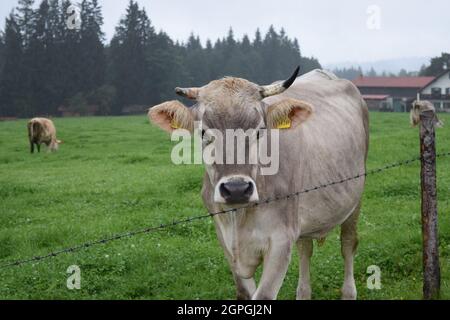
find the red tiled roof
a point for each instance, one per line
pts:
(393, 82)
(375, 96)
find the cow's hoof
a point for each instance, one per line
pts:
(262, 296)
(243, 296)
(348, 293)
(304, 293)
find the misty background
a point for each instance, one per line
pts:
(335, 32)
(128, 55)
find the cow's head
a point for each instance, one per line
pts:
(231, 103)
(54, 145)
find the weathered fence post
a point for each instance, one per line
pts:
(424, 113)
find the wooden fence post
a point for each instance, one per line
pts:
(430, 236)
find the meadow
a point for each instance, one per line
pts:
(114, 174)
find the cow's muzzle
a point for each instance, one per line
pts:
(236, 190)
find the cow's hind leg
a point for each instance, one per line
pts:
(305, 249)
(245, 288)
(349, 242)
(38, 147)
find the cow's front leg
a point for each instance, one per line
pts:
(276, 263)
(245, 288)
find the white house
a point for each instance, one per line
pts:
(438, 92)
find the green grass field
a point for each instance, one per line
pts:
(114, 174)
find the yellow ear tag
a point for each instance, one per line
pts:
(175, 125)
(284, 124)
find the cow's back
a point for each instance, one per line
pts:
(330, 146)
(41, 130)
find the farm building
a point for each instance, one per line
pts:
(397, 93)
(438, 92)
(391, 93)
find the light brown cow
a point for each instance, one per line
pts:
(324, 138)
(42, 130)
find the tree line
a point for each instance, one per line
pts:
(351, 73)
(48, 67)
(436, 66)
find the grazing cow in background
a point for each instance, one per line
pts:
(42, 130)
(323, 138)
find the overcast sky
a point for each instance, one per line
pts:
(333, 31)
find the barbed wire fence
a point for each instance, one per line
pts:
(148, 230)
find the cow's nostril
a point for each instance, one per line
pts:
(249, 191)
(224, 191)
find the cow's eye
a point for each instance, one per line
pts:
(206, 139)
(259, 133)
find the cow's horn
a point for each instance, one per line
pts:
(190, 93)
(277, 88)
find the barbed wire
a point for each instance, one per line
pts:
(209, 215)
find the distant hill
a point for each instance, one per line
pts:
(388, 66)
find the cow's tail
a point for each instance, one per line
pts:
(34, 128)
(31, 129)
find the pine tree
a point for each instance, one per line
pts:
(24, 19)
(195, 62)
(57, 66)
(257, 43)
(270, 52)
(232, 56)
(70, 56)
(128, 58)
(12, 74)
(2, 51)
(92, 53)
(437, 65)
(166, 68)
(248, 59)
(36, 63)
(372, 72)
(403, 73)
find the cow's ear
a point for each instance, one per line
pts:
(288, 113)
(171, 115)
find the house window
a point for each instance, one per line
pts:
(447, 91)
(437, 105)
(447, 106)
(436, 91)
